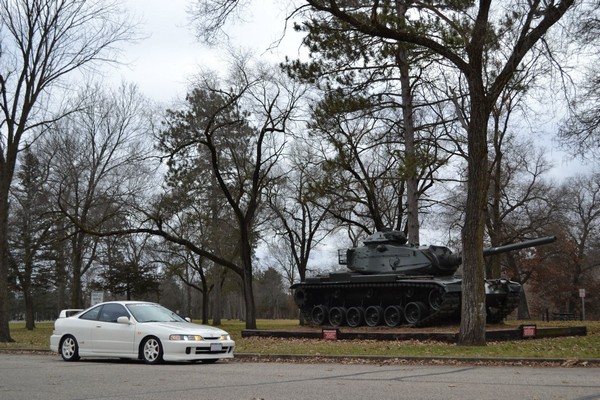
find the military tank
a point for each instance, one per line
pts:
(389, 282)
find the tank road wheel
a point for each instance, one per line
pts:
(392, 316)
(355, 316)
(337, 316)
(435, 299)
(319, 314)
(414, 312)
(373, 315)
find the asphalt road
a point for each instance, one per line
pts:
(47, 377)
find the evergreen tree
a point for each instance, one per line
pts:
(30, 223)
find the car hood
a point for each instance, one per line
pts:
(186, 328)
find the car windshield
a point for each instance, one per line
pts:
(146, 312)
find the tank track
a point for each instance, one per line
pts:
(447, 308)
(429, 311)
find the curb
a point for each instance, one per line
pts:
(407, 360)
(387, 360)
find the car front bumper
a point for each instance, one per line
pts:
(183, 350)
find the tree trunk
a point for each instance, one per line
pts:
(29, 311)
(4, 263)
(249, 298)
(217, 311)
(492, 268)
(473, 317)
(303, 266)
(61, 294)
(76, 287)
(26, 275)
(246, 255)
(523, 310)
(188, 301)
(410, 160)
(60, 270)
(77, 300)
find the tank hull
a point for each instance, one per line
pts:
(353, 299)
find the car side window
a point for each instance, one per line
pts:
(110, 312)
(91, 314)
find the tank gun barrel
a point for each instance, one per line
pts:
(490, 251)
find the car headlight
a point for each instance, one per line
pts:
(185, 337)
(225, 337)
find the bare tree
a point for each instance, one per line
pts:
(41, 43)
(195, 271)
(300, 215)
(238, 135)
(98, 156)
(572, 262)
(582, 210)
(580, 132)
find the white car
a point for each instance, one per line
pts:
(137, 330)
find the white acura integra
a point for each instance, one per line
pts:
(137, 330)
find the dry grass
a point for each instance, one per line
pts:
(578, 347)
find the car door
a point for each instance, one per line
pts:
(109, 336)
(82, 328)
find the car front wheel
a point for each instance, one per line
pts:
(152, 352)
(69, 349)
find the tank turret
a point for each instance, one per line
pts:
(387, 252)
(391, 282)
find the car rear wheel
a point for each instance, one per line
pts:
(152, 352)
(69, 349)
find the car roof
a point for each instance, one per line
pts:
(125, 302)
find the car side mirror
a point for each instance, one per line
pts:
(188, 319)
(123, 320)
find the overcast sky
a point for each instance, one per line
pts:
(162, 64)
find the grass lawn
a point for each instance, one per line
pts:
(576, 347)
